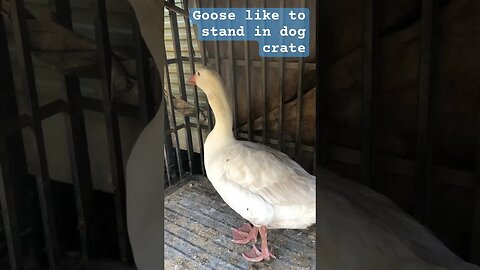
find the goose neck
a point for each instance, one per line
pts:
(223, 116)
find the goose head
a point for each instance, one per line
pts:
(212, 85)
(209, 81)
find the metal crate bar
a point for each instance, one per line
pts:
(281, 98)
(122, 109)
(78, 147)
(172, 7)
(174, 120)
(271, 141)
(171, 130)
(272, 63)
(191, 56)
(89, 103)
(168, 148)
(424, 141)
(405, 167)
(183, 90)
(247, 81)
(9, 209)
(8, 200)
(145, 89)
(369, 93)
(112, 126)
(324, 54)
(264, 91)
(52, 108)
(185, 59)
(298, 133)
(233, 68)
(166, 156)
(13, 125)
(216, 53)
(26, 73)
(205, 63)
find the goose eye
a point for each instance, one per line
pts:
(198, 73)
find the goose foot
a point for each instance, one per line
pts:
(256, 255)
(244, 234)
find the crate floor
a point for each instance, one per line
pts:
(198, 234)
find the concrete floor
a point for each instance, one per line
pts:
(198, 235)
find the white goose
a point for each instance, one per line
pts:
(261, 184)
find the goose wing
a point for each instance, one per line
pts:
(269, 173)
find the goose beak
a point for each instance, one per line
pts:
(192, 80)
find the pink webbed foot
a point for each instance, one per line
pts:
(255, 255)
(244, 234)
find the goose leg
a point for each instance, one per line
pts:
(256, 255)
(244, 234)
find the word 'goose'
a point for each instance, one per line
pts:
(261, 184)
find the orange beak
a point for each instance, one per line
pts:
(192, 80)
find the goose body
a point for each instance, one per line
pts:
(263, 185)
